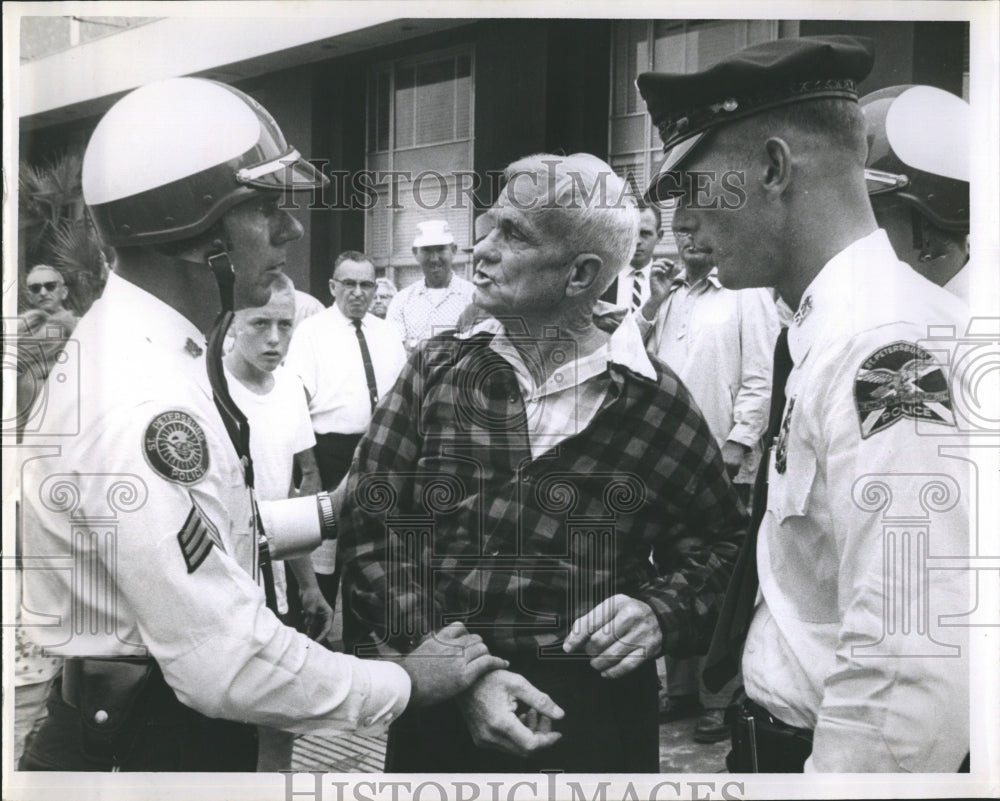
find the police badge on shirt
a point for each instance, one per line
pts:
(901, 380)
(174, 445)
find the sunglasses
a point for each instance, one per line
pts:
(367, 286)
(48, 286)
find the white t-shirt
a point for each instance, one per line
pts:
(280, 427)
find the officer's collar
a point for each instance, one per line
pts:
(158, 322)
(836, 289)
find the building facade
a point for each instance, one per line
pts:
(413, 119)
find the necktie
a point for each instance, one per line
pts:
(723, 659)
(636, 290)
(366, 357)
(238, 429)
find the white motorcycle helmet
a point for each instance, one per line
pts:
(170, 158)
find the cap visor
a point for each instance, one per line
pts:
(291, 173)
(664, 187)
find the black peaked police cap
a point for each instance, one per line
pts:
(686, 106)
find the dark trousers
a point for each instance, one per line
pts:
(334, 453)
(611, 726)
(167, 736)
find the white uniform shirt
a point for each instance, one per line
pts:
(279, 428)
(720, 343)
(842, 640)
(326, 356)
(418, 313)
(139, 537)
(960, 284)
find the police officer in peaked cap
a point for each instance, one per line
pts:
(145, 549)
(918, 179)
(841, 628)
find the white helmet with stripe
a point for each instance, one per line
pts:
(170, 158)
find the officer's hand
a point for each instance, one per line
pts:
(732, 455)
(491, 712)
(446, 663)
(317, 614)
(620, 634)
(659, 286)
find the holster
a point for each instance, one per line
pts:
(106, 692)
(762, 743)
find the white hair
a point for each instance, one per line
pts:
(580, 199)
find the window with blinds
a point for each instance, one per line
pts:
(666, 46)
(419, 124)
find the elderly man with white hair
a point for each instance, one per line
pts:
(518, 477)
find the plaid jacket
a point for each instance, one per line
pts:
(447, 517)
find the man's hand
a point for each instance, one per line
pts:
(659, 287)
(446, 663)
(317, 614)
(490, 710)
(620, 634)
(733, 454)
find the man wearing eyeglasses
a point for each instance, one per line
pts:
(347, 360)
(47, 292)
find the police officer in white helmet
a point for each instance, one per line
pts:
(918, 179)
(143, 543)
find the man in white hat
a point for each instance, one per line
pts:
(433, 304)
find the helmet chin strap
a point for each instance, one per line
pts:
(225, 275)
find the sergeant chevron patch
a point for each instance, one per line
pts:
(897, 381)
(196, 538)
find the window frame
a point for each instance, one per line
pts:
(387, 158)
(649, 157)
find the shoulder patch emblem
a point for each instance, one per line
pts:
(196, 538)
(897, 381)
(175, 447)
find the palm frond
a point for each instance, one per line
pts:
(76, 252)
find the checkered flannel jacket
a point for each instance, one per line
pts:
(448, 517)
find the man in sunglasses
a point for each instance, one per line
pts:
(347, 359)
(47, 292)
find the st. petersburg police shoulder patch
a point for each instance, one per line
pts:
(897, 381)
(175, 447)
(196, 538)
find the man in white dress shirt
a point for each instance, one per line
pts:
(433, 304)
(631, 288)
(343, 379)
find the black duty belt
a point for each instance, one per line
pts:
(763, 743)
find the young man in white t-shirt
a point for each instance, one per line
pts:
(281, 436)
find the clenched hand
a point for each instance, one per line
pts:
(620, 634)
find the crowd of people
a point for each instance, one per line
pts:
(513, 492)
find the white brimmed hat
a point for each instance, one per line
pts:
(432, 233)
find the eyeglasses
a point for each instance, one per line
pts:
(367, 286)
(49, 286)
